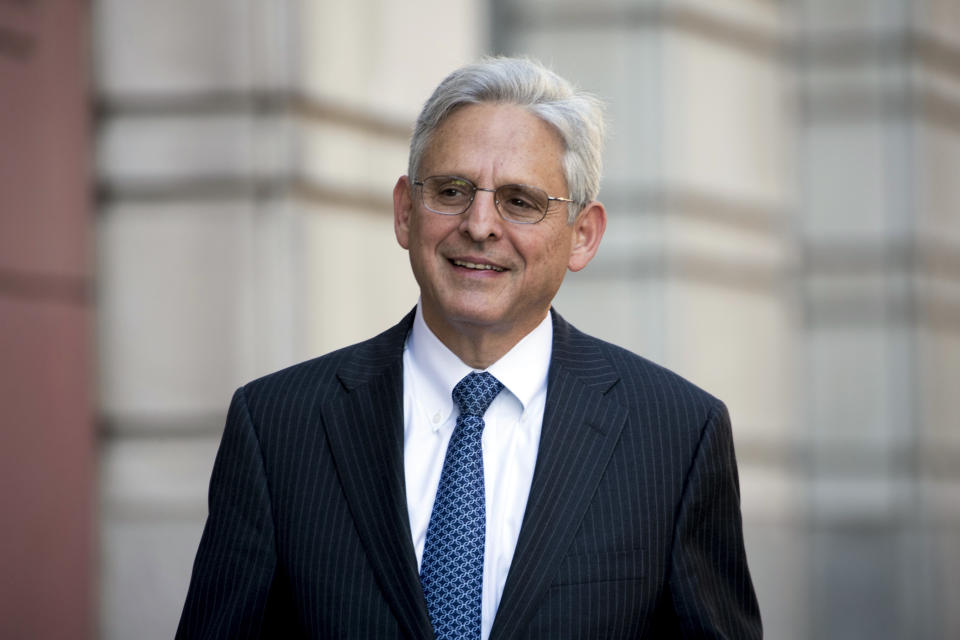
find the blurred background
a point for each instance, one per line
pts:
(193, 194)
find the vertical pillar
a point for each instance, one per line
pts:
(695, 270)
(246, 155)
(880, 133)
(47, 451)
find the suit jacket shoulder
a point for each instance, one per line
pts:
(305, 536)
(632, 380)
(633, 524)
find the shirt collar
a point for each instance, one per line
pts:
(522, 370)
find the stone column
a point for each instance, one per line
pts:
(246, 154)
(696, 268)
(879, 89)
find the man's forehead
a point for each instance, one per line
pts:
(494, 116)
(503, 139)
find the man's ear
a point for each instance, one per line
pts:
(588, 230)
(402, 210)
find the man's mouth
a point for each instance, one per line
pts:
(474, 265)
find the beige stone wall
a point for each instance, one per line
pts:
(880, 287)
(698, 265)
(246, 155)
(780, 178)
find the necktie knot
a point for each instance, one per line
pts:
(474, 393)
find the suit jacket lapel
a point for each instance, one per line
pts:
(365, 430)
(580, 429)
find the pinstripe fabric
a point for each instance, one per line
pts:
(632, 528)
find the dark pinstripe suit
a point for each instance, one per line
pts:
(632, 528)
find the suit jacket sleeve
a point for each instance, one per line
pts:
(236, 560)
(710, 586)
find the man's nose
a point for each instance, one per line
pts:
(482, 220)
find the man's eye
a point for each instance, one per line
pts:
(452, 189)
(521, 203)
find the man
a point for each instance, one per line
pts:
(482, 469)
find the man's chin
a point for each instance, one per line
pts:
(464, 317)
(474, 317)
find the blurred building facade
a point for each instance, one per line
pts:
(246, 157)
(781, 182)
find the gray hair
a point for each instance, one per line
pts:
(577, 116)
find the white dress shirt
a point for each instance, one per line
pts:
(511, 437)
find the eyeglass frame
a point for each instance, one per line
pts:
(496, 202)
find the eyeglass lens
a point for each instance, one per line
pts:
(452, 195)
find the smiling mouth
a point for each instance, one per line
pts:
(473, 265)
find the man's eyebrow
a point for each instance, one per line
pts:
(476, 182)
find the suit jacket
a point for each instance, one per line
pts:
(632, 527)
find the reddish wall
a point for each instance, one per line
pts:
(46, 425)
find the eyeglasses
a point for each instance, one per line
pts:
(518, 203)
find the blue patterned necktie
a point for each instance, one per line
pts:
(451, 571)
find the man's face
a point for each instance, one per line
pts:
(452, 256)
